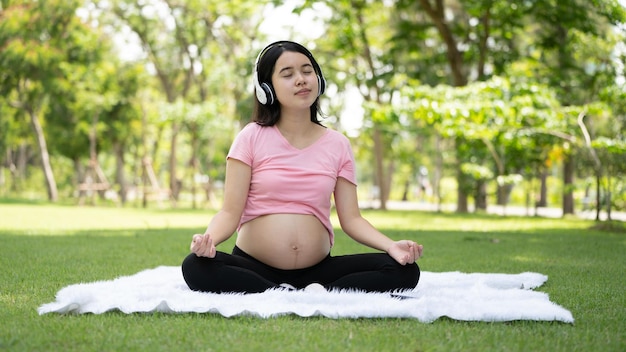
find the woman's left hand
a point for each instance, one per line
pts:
(405, 251)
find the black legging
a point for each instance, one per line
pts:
(240, 272)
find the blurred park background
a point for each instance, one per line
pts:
(450, 104)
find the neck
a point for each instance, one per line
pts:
(295, 122)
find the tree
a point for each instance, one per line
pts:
(497, 119)
(478, 37)
(358, 43)
(41, 43)
(574, 60)
(188, 45)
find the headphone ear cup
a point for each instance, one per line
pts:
(321, 84)
(261, 96)
(268, 93)
(264, 93)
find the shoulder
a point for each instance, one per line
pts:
(252, 131)
(336, 135)
(246, 144)
(338, 145)
(251, 128)
(338, 138)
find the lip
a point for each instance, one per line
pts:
(304, 91)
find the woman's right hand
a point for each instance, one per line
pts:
(202, 246)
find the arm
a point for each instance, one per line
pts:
(224, 223)
(362, 231)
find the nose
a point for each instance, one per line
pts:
(300, 79)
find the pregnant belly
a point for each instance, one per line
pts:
(285, 241)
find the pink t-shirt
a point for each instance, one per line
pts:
(290, 180)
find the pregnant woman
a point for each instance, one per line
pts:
(281, 172)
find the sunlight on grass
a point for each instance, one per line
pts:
(10, 299)
(56, 219)
(526, 259)
(465, 222)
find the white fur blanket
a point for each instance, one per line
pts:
(460, 296)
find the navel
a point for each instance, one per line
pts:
(296, 253)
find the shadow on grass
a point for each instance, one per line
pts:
(21, 201)
(610, 226)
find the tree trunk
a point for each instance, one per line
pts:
(120, 176)
(453, 54)
(391, 168)
(608, 197)
(503, 194)
(405, 190)
(543, 190)
(456, 63)
(144, 156)
(568, 184)
(438, 171)
(17, 162)
(483, 46)
(51, 186)
(480, 197)
(380, 169)
(2, 179)
(22, 160)
(12, 169)
(79, 172)
(174, 182)
(461, 193)
(193, 163)
(598, 199)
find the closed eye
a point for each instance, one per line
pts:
(287, 74)
(288, 71)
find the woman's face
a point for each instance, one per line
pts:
(295, 81)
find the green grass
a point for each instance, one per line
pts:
(46, 247)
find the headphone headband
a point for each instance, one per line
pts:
(264, 91)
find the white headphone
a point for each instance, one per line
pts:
(264, 91)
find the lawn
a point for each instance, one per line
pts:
(46, 247)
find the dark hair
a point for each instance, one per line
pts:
(268, 115)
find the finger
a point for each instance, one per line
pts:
(212, 252)
(206, 243)
(210, 249)
(418, 251)
(199, 244)
(195, 242)
(412, 252)
(202, 244)
(401, 260)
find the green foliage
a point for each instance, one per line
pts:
(575, 49)
(612, 146)
(508, 119)
(530, 68)
(477, 172)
